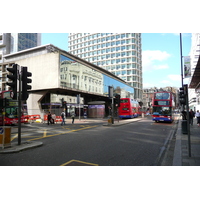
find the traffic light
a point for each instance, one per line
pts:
(13, 77)
(78, 98)
(182, 96)
(110, 91)
(117, 100)
(25, 81)
(62, 102)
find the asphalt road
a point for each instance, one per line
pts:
(135, 144)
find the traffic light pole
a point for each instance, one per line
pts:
(19, 111)
(188, 118)
(181, 60)
(112, 110)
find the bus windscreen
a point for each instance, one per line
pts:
(162, 110)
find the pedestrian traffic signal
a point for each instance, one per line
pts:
(182, 96)
(13, 77)
(117, 100)
(25, 81)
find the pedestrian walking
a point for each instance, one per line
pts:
(72, 116)
(53, 118)
(198, 117)
(191, 116)
(49, 118)
(63, 118)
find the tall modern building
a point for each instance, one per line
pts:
(119, 53)
(12, 43)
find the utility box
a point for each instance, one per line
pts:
(184, 126)
(5, 137)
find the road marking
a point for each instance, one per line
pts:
(63, 133)
(14, 137)
(76, 163)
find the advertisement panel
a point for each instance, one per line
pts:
(187, 68)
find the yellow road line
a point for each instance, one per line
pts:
(63, 133)
(14, 137)
(87, 163)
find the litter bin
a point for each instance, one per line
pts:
(5, 137)
(184, 126)
(109, 120)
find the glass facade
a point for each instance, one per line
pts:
(26, 40)
(22, 41)
(78, 76)
(118, 53)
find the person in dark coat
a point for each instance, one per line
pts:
(49, 118)
(191, 116)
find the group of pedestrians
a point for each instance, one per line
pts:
(51, 118)
(192, 114)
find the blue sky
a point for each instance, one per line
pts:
(160, 56)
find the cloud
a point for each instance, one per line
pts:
(165, 66)
(148, 85)
(151, 58)
(172, 80)
(165, 81)
(174, 77)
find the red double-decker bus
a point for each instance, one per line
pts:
(163, 106)
(9, 114)
(129, 108)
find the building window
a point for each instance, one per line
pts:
(108, 44)
(117, 48)
(118, 61)
(123, 48)
(117, 42)
(123, 42)
(122, 35)
(107, 56)
(113, 49)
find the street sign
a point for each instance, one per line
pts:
(1, 130)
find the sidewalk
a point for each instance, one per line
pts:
(181, 151)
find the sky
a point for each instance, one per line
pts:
(161, 56)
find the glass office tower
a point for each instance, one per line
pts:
(12, 43)
(119, 53)
(22, 41)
